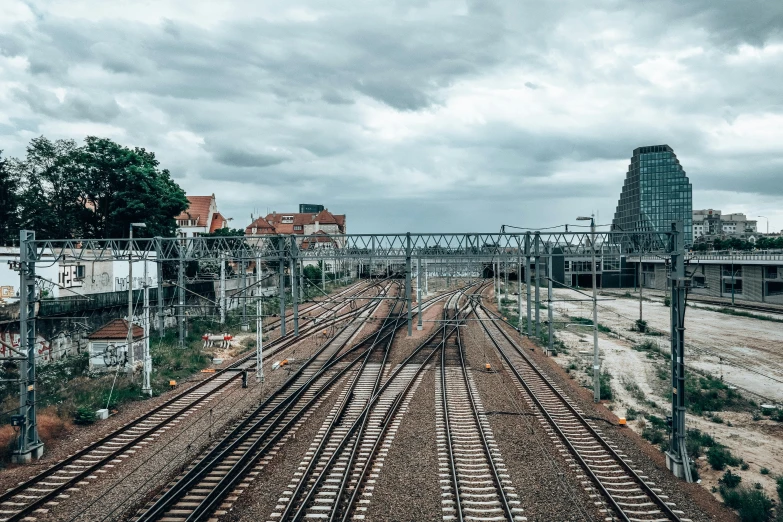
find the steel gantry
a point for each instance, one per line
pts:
(461, 253)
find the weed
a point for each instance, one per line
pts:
(707, 393)
(719, 457)
(646, 346)
(741, 313)
(696, 441)
(588, 322)
(667, 301)
(764, 471)
(744, 466)
(84, 415)
(730, 480)
(716, 419)
(605, 380)
(641, 325)
(631, 414)
(779, 482)
(653, 435)
(751, 504)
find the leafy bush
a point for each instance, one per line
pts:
(753, 505)
(667, 301)
(719, 457)
(779, 482)
(631, 414)
(764, 471)
(84, 416)
(646, 346)
(730, 480)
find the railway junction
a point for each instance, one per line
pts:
(397, 402)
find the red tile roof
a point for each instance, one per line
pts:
(325, 218)
(198, 209)
(117, 329)
(218, 222)
(262, 226)
(275, 222)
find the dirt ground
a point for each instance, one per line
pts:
(746, 352)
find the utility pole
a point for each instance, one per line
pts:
(146, 387)
(161, 314)
(418, 290)
(131, 351)
(529, 324)
(245, 323)
(596, 355)
(732, 281)
(408, 282)
(29, 444)
(549, 301)
(677, 456)
(519, 283)
(641, 286)
(293, 263)
(536, 247)
(222, 293)
(181, 299)
(259, 330)
(281, 285)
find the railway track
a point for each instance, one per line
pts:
(203, 490)
(474, 479)
(333, 475)
(34, 494)
(626, 492)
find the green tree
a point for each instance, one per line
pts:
(9, 203)
(226, 232)
(126, 185)
(52, 196)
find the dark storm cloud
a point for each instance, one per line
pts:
(97, 107)
(407, 109)
(242, 158)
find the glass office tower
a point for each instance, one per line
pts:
(656, 192)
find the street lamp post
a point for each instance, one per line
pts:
(131, 358)
(765, 217)
(596, 359)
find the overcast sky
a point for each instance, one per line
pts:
(411, 115)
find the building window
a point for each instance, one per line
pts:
(727, 270)
(774, 288)
(297, 227)
(770, 272)
(737, 286)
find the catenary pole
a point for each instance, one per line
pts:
(529, 323)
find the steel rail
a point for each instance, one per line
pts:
(349, 434)
(474, 407)
(284, 342)
(360, 424)
(239, 434)
(237, 472)
(604, 445)
(334, 423)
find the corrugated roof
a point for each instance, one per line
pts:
(117, 329)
